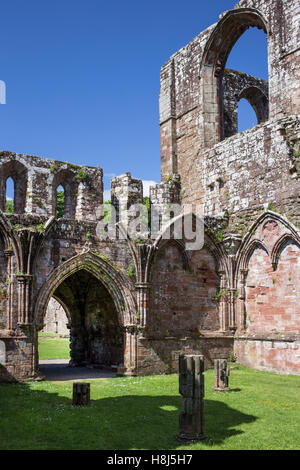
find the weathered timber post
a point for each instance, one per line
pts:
(221, 375)
(81, 393)
(191, 387)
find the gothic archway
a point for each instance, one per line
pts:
(261, 272)
(102, 311)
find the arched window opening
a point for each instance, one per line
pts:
(245, 92)
(13, 187)
(246, 115)
(240, 33)
(56, 320)
(10, 196)
(64, 195)
(250, 54)
(60, 201)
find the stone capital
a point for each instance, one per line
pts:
(8, 252)
(24, 278)
(143, 285)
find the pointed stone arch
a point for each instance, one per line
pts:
(247, 253)
(258, 100)
(218, 47)
(279, 246)
(116, 286)
(208, 264)
(113, 281)
(217, 250)
(64, 307)
(250, 238)
(179, 244)
(257, 237)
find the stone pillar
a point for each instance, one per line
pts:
(89, 192)
(78, 345)
(142, 297)
(241, 317)
(2, 352)
(231, 308)
(167, 118)
(221, 375)
(130, 352)
(191, 387)
(24, 282)
(9, 322)
(125, 192)
(231, 294)
(223, 310)
(81, 393)
(165, 203)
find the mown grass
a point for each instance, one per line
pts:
(262, 412)
(53, 347)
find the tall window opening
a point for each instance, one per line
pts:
(10, 196)
(240, 33)
(246, 69)
(250, 54)
(60, 201)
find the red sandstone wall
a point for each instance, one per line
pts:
(273, 297)
(161, 356)
(278, 356)
(181, 299)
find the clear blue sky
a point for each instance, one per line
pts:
(82, 77)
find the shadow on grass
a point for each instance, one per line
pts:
(234, 390)
(47, 420)
(63, 372)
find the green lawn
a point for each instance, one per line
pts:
(53, 347)
(262, 412)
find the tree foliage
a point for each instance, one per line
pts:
(60, 204)
(9, 206)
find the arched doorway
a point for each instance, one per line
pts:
(95, 332)
(56, 319)
(99, 309)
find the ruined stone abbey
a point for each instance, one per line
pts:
(140, 303)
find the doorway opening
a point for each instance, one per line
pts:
(88, 322)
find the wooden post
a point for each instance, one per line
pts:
(221, 375)
(191, 387)
(81, 393)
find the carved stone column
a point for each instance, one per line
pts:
(221, 375)
(9, 254)
(130, 352)
(191, 387)
(231, 294)
(232, 308)
(142, 301)
(231, 244)
(223, 309)
(24, 298)
(241, 303)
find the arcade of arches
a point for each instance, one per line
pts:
(140, 303)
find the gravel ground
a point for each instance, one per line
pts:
(57, 370)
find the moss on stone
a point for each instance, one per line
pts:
(131, 271)
(55, 167)
(81, 175)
